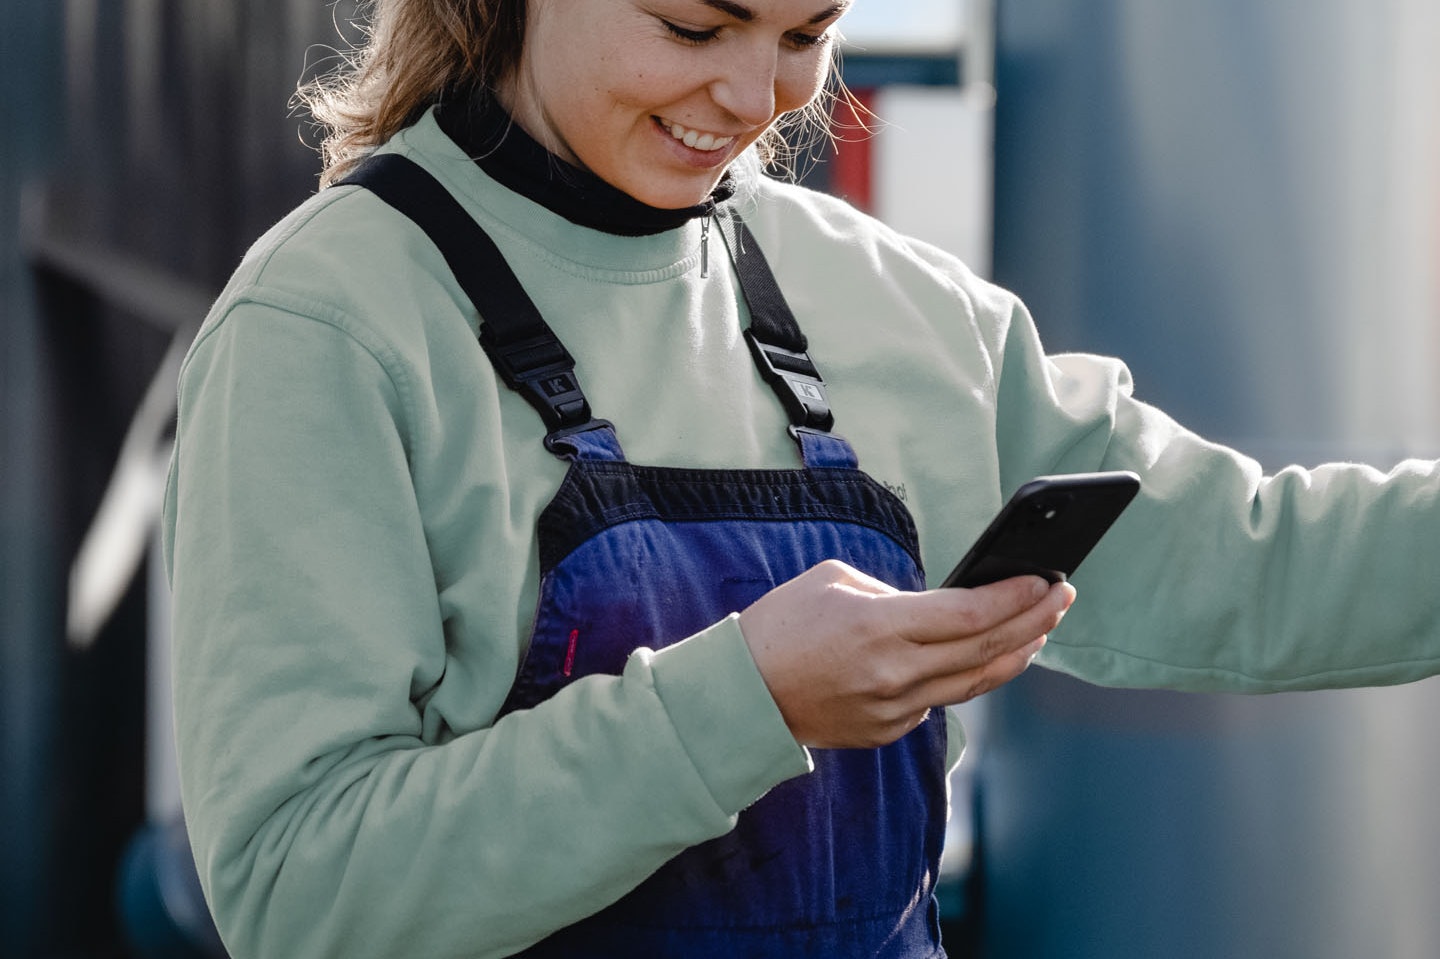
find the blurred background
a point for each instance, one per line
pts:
(1241, 198)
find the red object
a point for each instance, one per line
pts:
(570, 652)
(850, 168)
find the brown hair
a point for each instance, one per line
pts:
(417, 52)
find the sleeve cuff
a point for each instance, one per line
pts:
(725, 717)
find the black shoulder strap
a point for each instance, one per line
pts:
(527, 353)
(524, 350)
(775, 339)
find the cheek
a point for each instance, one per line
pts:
(628, 87)
(621, 75)
(794, 91)
(800, 82)
(645, 80)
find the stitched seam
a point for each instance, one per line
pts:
(1325, 677)
(318, 311)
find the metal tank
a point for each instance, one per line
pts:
(1242, 199)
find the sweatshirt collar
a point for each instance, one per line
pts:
(482, 128)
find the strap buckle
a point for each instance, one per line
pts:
(543, 371)
(797, 382)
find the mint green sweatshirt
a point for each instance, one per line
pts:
(350, 531)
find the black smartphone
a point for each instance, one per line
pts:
(1047, 528)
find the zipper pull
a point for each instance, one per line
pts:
(705, 246)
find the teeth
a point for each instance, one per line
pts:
(697, 140)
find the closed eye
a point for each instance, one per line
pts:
(803, 40)
(686, 35)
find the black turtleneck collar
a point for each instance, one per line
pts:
(511, 156)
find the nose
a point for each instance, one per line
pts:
(746, 88)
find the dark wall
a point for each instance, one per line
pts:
(147, 143)
(179, 142)
(29, 34)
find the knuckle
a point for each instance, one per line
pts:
(994, 644)
(888, 681)
(967, 620)
(981, 685)
(834, 571)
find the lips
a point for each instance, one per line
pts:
(696, 139)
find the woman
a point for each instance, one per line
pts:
(455, 678)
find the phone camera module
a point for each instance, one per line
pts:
(1043, 511)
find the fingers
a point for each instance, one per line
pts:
(961, 666)
(939, 615)
(948, 689)
(851, 661)
(991, 621)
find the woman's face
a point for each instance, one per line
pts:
(656, 97)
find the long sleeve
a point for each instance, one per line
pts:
(329, 814)
(1219, 577)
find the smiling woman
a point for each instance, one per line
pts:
(456, 676)
(658, 98)
(423, 51)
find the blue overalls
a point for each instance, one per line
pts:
(841, 862)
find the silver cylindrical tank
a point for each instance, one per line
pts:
(1241, 199)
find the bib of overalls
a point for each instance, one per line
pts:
(837, 863)
(840, 862)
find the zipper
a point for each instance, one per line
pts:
(705, 242)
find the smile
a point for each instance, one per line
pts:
(705, 142)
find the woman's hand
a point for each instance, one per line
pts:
(851, 661)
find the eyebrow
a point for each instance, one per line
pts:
(744, 14)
